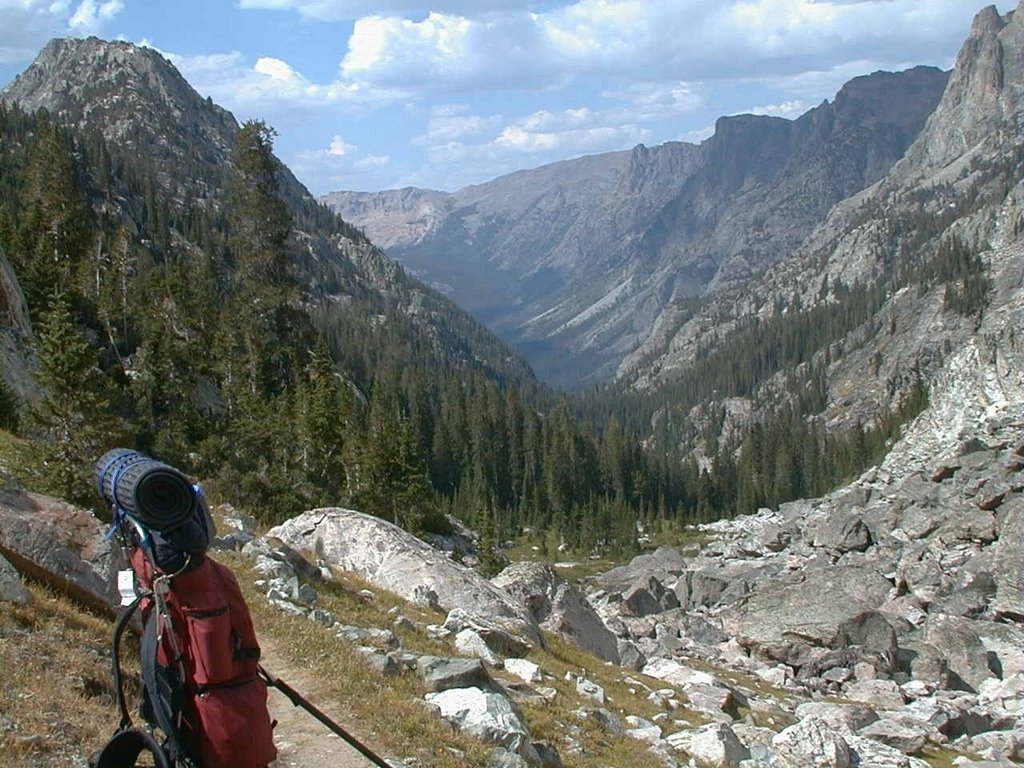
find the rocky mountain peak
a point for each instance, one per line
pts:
(982, 100)
(133, 92)
(884, 96)
(577, 261)
(988, 21)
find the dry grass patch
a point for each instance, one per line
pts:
(57, 701)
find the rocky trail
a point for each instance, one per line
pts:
(301, 740)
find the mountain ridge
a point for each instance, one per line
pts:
(589, 266)
(121, 90)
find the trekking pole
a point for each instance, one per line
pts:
(297, 700)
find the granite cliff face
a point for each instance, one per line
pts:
(575, 262)
(134, 94)
(959, 183)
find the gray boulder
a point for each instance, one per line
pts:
(489, 716)
(868, 753)
(711, 745)
(664, 564)
(61, 545)
(559, 607)
(811, 743)
(808, 609)
(844, 718)
(901, 736)
(492, 634)
(870, 631)
(393, 559)
(442, 674)
(959, 642)
(12, 590)
(843, 533)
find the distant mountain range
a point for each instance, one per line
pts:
(575, 263)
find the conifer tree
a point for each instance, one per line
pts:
(270, 332)
(55, 225)
(8, 407)
(71, 425)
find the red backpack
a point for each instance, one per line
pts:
(201, 681)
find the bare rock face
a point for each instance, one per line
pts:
(559, 607)
(61, 545)
(389, 557)
(127, 84)
(15, 332)
(1009, 557)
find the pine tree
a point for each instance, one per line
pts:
(55, 227)
(72, 425)
(8, 407)
(270, 331)
(323, 423)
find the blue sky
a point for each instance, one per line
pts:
(368, 95)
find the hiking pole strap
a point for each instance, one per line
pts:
(297, 700)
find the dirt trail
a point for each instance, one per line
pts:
(302, 741)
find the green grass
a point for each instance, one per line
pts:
(542, 547)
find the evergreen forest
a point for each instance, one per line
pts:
(215, 317)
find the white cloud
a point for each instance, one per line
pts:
(269, 84)
(349, 10)
(340, 165)
(679, 40)
(449, 53)
(91, 16)
(652, 101)
(453, 122)
(787, 109)
(339, 147)
(25, 25)
(579, 140)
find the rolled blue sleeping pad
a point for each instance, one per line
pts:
(156, 494)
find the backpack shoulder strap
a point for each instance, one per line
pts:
(124, 748)
(162, 688)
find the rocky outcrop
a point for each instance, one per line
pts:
(558, 607)
(955, 183)
(61, 545)
(385, 555)
(15, 334)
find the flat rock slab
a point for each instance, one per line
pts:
(812, 608)
(387, 556)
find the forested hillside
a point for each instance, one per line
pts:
(215, 315)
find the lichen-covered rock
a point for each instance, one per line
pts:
(711, 745)
(489, 716)
(811, 743)
(59, 544)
